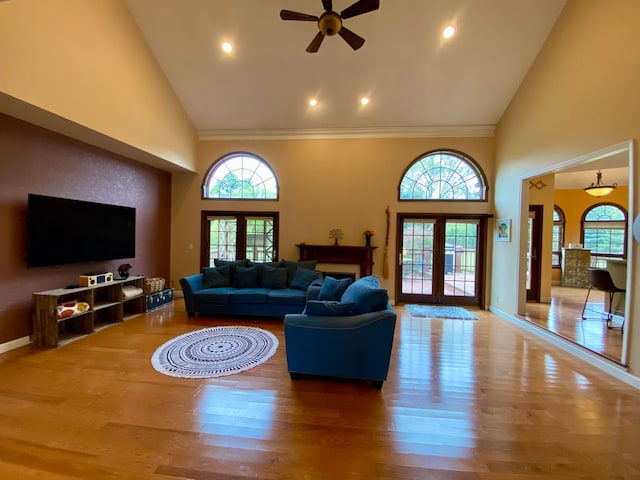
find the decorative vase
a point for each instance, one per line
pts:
(124, 274)
(367, 241)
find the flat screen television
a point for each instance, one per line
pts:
(63, 231)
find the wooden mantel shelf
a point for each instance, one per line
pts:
(340, 254)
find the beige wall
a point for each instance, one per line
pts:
(579, 96)
(544, 196)
(324, 184)
(86, 62)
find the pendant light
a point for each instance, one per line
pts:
(599, 189)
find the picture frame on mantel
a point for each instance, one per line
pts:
(503, 230)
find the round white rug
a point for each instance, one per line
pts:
(214, 352)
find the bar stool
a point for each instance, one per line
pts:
(600, 279)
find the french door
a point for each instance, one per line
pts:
(534, 247)
(441, 259)
(238, 235)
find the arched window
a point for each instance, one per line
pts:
(558, 236)
(443, 175)
(240, 175)
(604, 232)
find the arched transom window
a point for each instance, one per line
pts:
(443, 175)
(240, 175)
(604, 230)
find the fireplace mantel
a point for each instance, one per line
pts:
(340, 254)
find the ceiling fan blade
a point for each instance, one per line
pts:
(355, 41)
(360, 7)
(328, 5)
(315, 43)
(303, 17)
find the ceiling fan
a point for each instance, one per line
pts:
(330, 22)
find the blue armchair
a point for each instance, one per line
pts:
(351, 346)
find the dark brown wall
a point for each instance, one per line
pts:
(35, 160)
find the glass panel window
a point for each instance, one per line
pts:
(557, 240)
(240, 176)
(443, 175)
(239, 235)
(604, 231)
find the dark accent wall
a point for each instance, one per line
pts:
(36, 160)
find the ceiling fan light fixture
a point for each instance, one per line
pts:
(330, 23)
(599, 189)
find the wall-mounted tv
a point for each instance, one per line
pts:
(62, 231)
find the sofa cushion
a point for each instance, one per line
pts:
(287, 296)
(328, 308)
(274, 278)
(366, 295)
(293, 266)
(244, 277)
(218, 295)
(216, 277)
(333, 288)
(249, 295)
(304, 277)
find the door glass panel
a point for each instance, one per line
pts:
(260, 243)
(460, 262)
(222, 239)
(417, 256)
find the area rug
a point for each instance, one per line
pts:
(214, 352)
(433, 311)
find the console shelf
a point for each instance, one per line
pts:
(107, 305)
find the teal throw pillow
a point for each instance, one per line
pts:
(366, 295)
(333, 288)
(244, 277)
(327, 308)
(293, 266)
(304, 277)
(216, 277)
(218, 262)
(274, 278)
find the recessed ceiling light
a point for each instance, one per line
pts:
(313, 102)
(448, 31)
(364, 101)
(227, 47)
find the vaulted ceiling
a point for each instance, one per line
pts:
(417, 82)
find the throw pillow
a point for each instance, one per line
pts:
(333, 288)
(366, 295)
(245, 277)
(274, 278)
(219, 262)
(261, 266)
(304, 277)
(216, 277)
(327, 308)
(293, 266)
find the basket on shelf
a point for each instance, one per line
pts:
(152, 285)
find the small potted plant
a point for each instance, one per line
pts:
(123, 270)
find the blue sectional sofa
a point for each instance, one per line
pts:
(251, 289)
(348, 335)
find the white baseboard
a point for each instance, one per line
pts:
(13, 344)
(607, 366)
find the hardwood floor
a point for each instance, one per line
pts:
(464, 400)
(563, 316)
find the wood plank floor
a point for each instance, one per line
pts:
(563, 316)
(464, 400)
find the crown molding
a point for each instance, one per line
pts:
(441, 131)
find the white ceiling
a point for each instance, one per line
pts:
(417, 81)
